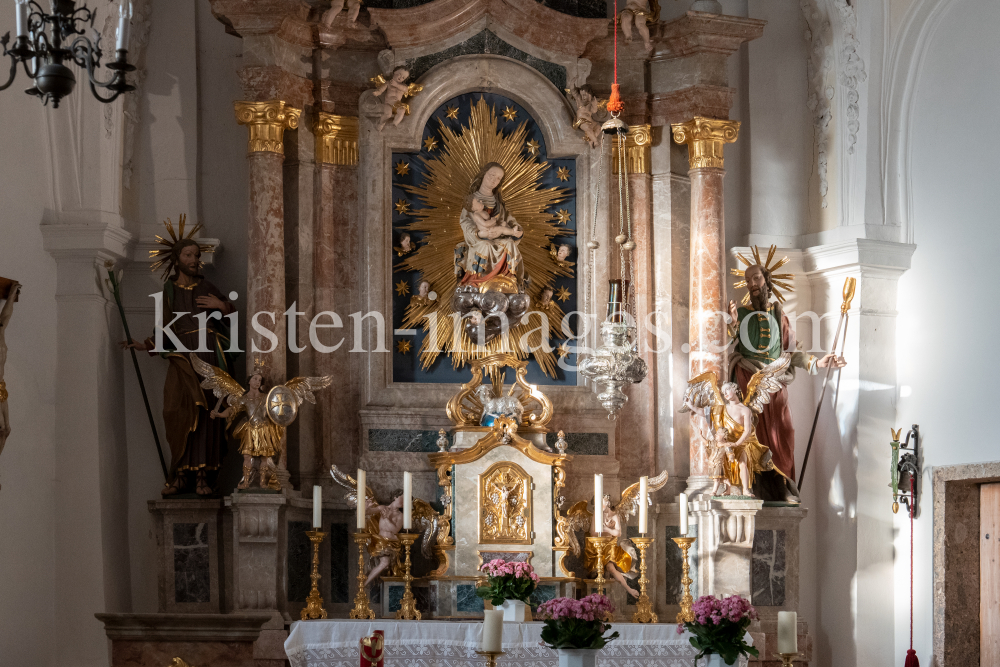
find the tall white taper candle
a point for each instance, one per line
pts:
(493, 630)
(683, 502)
(21, 6)
(407, 500)
(788, 634)
(599, 504)
(643, 505)
(317, 506)
(124, 23)
(362, 501)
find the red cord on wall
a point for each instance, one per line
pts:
(911, 655)
(615, 104)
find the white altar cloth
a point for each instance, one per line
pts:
(334, 643)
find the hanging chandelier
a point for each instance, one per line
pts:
(48, 40)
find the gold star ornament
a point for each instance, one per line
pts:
(402, 289)
(563, 216)
(402, 168)
(562, 351)
(430, 143)
(403, 346)
(452, 113)
(562, 173)
(509, 113)
(533, 147)
(563, 294)
(403, 207)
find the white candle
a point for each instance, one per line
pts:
(362, 500)
(599, 504)
(124, 20)
(317, 506)
(788, 634)
(683, 501)
(643, 505)
(493, 630)
(407, 500)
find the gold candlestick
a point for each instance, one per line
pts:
(787, 658)
(686, 615)
(314, 603)
(408, 605)
(599, 543)
(361, 607)
(491, 657)
(643, 607)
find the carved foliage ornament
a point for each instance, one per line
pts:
(267, 122)
(465, 408)
(705, 138)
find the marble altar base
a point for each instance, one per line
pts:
(454, 597)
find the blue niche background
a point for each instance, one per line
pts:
(406, 366)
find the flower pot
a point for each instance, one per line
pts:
(514, 611)
(577, 657)
(715, 660)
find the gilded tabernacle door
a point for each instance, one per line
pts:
(505, 505)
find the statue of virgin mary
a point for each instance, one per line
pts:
(491, 233)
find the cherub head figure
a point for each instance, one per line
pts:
(424, 288)
(721, 435)
(400, 74)
(405, 242)
(563, 253)
(546, 297)
(730, 391)
(586, 94)
(396, 499)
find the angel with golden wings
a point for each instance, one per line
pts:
(619, 556)
(719, 410)
(267, 415)
(384, 522)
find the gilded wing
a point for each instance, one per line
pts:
(303, 388)
(578, 517)
(765, 382)
(378, 80)
(413, 89)
(629, 503)
(216, 379)
(425, 519)
(351, 484)
(703, 391)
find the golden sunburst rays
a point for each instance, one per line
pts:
(442, 194)
(163, 256)
(779, 281)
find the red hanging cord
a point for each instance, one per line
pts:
(615, 104)
(911, 655)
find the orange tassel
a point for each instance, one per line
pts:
(615, 104)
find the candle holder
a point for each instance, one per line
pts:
(599, 543)
(408, 605)
(361, 606)
(685, 615)
(787, 658)
(643, 607)
(314, 603)
(491, 657)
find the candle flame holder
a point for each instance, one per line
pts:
(314, 603)
(643, 607)
(787, 658)
(686, 615)
(362, 608)
(408, 605)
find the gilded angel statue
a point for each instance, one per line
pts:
(722, 418)
(384, 523)
(619, 556)
(267, 414)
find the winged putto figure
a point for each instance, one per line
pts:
(384, 523)
(619, 556)
(727, 423)
(267, 414)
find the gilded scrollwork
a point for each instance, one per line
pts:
(705, 138)
(467, 408)
(505, 505)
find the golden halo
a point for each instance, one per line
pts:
(164, 256)
(779, 281)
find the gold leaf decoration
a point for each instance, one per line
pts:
(442, 196)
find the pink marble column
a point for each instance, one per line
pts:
(266, 122)
(705, 139)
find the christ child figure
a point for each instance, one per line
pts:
(721, 459)
(394, 90)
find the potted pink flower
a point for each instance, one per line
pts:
(509, 585)
(720, 628)
(575, 628)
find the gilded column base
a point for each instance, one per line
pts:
(362, 607)
(643, 607)
(408, 605)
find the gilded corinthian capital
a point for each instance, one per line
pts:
(336, 139)
(705, 138)
(637, 153)
(267, 122)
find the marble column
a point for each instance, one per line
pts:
(705, 138)
(335, 234)
(267, 122)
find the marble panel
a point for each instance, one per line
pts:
(487, 42)
(340, 540)
(192, 578)
(767, 571)
(466, 599)
(466, 523)
(401, 440)
(543, 593)
(585, 444)
(420, 595)
(299, 561)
